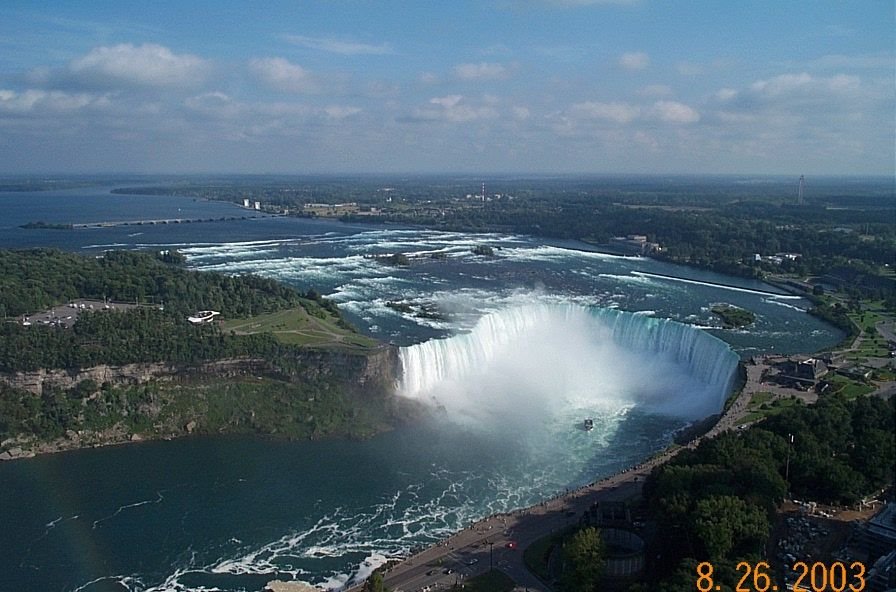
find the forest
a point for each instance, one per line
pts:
(36, 279)
(718, 501)
(33, 280)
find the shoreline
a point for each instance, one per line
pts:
(526, 525)
(552, 512)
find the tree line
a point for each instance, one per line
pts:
(35, 279)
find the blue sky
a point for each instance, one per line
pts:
(540, 86)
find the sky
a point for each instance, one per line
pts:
(420, 86)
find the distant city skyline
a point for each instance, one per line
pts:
(495, 86)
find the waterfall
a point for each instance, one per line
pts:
(573, 347)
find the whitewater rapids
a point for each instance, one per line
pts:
(534, 363)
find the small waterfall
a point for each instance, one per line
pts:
(622, 338)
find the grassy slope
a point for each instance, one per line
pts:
(297, 327)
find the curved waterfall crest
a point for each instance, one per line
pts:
(616, 338)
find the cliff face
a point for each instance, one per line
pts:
(370, 372)
(308, 393)
(40, 380)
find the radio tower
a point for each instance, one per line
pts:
(799, 198)
(483, 192)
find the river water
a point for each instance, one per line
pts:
(230, 514)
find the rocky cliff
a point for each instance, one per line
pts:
(374, 370)
(306, 393)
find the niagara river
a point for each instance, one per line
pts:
(511, 351)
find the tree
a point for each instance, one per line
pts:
(582, 561)
(725, 523)
(375, 583)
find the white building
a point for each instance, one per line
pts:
(203, 316)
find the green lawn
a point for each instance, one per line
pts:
(845, 387)
(295, 326)
(870, 316)
(761, 397)
(766, 408)
(875, 347)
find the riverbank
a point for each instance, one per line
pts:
(485, 543)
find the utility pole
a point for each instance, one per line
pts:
(787, 464)
(491, 559)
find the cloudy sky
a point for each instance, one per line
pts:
(540, 86)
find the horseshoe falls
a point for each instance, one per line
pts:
(536, 363)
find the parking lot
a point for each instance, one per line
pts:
(65, 315)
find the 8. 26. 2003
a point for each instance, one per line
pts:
(814, 577)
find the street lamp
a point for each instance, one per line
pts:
(787, 465)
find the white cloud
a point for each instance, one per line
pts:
(843, 82)
(454, 109)
(281, 74)
(726, 94)
(214, 104)
(340, 111)
(448, 102)
(655, 90)
(146, 65)
(615, 112)
(339, 46)
(646, 140)
(481, 71)
(521, 113)
(674, 112)
(803, 83)
(841, 116)
(48, 101)
(784, 83)
(429, 78)
(637, 60)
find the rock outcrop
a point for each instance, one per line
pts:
(361, 371)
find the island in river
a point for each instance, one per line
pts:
(732, 316)
(100, 350)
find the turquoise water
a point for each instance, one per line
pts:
(230, 514)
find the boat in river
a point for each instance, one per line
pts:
(589, 424)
